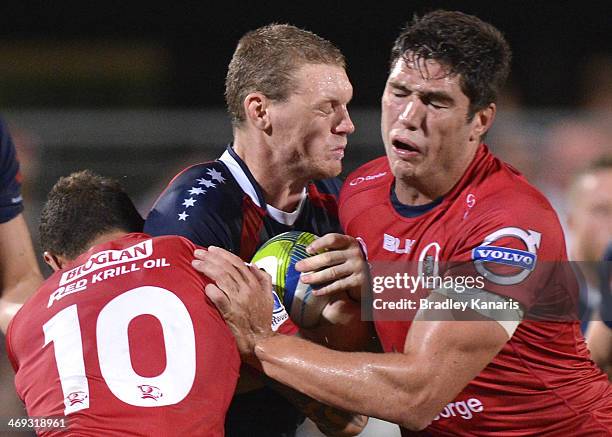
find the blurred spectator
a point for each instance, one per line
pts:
(596, 81)
(599, 335)
(590, 223)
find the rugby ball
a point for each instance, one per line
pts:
(278, 257)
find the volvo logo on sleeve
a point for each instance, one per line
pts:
(523, 260)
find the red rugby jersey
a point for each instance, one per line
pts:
(494, 224)
(124, 342)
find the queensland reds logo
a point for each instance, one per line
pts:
(429, 260)
(524, 260)
(76, 397)
(150, 392)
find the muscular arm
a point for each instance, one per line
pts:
(19, 271)
(440, 358)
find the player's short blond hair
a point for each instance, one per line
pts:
(266, 59)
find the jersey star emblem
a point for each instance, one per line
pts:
(189, 202)
(183, 216)
(206, 183)
(196, 190)
(216, 175)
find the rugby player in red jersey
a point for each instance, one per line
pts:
(121, 339)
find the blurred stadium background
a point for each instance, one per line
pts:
(137, 93)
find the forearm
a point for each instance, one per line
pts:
(19, 273)
(15, 295)
(386, 386)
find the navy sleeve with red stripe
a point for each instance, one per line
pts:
(11, 203)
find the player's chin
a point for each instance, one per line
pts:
(329, 169)
(402, 169)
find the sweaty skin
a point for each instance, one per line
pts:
(439, 358)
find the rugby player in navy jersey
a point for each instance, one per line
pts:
(19, 273)
(287, 94)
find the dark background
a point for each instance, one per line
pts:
(193, 41)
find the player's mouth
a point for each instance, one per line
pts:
(404, 149)
(338, 152)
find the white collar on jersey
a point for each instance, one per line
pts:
(286, 218)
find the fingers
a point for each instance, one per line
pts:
(223, 267)
(322, 260)
(338, 286)
(218, 297)
(329, 242)
(265, 280)
(341, 268)
(330, 249)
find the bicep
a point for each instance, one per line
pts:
(454, 349)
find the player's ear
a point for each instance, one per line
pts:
(482, 121)
(256, 107)
(55, 262)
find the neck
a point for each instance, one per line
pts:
(281, 186)
(108, 236)
(57, 262)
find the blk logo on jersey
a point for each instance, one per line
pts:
(150, 392)
(523, 260)
(394, 244)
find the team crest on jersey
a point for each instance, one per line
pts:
(279, 313)
(429, 259)
(523, 260)
(76, 397)
(150, 392)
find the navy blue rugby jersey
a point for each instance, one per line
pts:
(10, 184)
(219, 203)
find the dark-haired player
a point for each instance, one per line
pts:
(438, 196)
(120, 339)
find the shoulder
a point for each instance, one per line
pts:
(200, 180)
(200, 196)
(362, 188)
(328, 186)
(504, 195)
(366, 177)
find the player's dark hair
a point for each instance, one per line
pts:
(466, 45)
(266, 59)
(80, 208)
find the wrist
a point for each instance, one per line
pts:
(263, 343)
